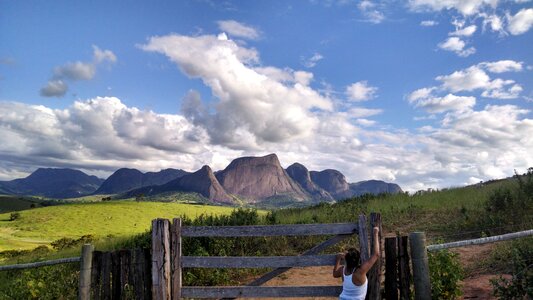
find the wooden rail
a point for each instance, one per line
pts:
(480, 241)
(268, 230)
(261, 291)
(41, 264)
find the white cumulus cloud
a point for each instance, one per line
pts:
(360, 91)
(238, 29)
(254, 107)
(455, 44)
(521, 22)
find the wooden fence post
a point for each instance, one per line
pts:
(363, 238)
(420, 265)
(161, 259)
(175, 250)
(391, 270)
(374, 280)
(404, 272)
(84, 292)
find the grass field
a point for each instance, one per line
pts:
(13, 203)
(41, 226)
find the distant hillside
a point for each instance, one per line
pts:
(53, 183)
(202, 182)
(374, 187)
(124, 180)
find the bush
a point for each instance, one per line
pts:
(14, 216)
(511, 206)
(445, 272)
(65, 243)
(51, 282)
(521, 283)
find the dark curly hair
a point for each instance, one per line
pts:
(353, 260)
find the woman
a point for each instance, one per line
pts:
(354, 281)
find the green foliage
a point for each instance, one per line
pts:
(65, 243)
(52, 282)
(445, 272)
(14, 216)
(511, 205)
(520, 284)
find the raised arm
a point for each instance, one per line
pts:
(365, 266)
(337, 269)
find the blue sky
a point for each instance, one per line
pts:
(424, 93)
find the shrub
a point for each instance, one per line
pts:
(14, 216)
(445, 272)
(520, 285)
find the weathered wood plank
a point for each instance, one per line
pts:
(147, 274)
(106, 275)
(261, 291)
(175, 252)
(363, 239)
(116, 291)
(391, 269)
(41, 264)
(404, 271)
(139, 277)
(257, 261)
(374, 274)
(84, 291)
(480, 241)
(96, 276)
(161, 259)
(313, 251)
(269, 230)
(124, 266)
(419, 261)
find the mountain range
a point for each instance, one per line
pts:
(252, 180)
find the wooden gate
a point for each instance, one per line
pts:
(157, 274)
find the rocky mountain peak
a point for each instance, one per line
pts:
(259, 178)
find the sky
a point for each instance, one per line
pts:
(423, 93)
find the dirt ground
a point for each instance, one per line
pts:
(475, 286)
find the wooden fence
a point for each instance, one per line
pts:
(167, 259)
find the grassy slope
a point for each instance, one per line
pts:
(440, 214)
(13, 203)
(119, 218)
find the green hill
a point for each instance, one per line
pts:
(10, 203)
(41, 226)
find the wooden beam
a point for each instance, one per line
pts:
(419, 259)
(41, 264)
(404, 271)
(374, 274)
(261, 291)
(257, 261)
(480, 241)
(313, 251)
(175, 253)
(363, 239)
(161, 259)
(269, 230)
(84, 291)
(391, 269)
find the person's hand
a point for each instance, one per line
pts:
(376, 231)
(340, 256)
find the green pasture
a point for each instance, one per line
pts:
(41, 226)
